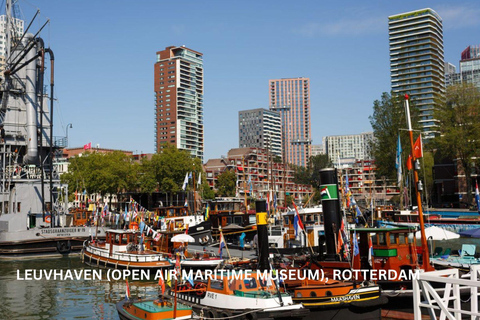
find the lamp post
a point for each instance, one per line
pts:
(68, 126)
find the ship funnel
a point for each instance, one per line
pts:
(331, 209)
(31, 101)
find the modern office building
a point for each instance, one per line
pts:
(417, 62)
(260, 128)
(469, 68)
(178, 87)
(348, 149)
(291, 98)
(16, 33)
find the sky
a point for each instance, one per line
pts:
(105, 52)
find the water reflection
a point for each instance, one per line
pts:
(69, 299)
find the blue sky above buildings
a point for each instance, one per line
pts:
(105, 52)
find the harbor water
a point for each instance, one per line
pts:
(61, 299)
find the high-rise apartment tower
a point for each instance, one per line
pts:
(178, 88)
(291, 97)
(417, 63)
(260, 128)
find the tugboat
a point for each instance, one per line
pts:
(247, 297)
(32, 216)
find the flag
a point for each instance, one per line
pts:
(356, 250)
(409, 162)
(250, 184)
(87, 146)
(105, 210)
(398, 161)
(185, 182)
(477, 196)
(370, 251)
(275, 201)
(199, 179)
(190, 176)
(242, 240)
(417, 148)
(222, 245)
(127, 293)
(268, 201)
(347, 189)
(325, 193)
(157, 237)
(186, 203)
(339, 242)
(207, 212)
(190, 280)
(297, 222)
(161, 283)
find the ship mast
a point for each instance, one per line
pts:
(425, 254)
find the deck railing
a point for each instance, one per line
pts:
(426, 294)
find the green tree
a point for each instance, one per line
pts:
(460, 128)
(226, 183)
(311, 173)
(387, 120)
(170, 167)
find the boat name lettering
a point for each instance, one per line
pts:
(211, 295)
(345, 298)
(62, 231)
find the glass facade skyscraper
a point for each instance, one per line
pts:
(417, 62)
(291, 98)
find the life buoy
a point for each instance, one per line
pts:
(47, 219)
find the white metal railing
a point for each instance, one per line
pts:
(453, 285)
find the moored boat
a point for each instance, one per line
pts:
(158, 309)
(242, 296)
(121, 249)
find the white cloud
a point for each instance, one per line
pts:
(457, 17)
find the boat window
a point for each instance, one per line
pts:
(401, 238)
(252, 219)
(237, 220)
(381, 239)
(124, 240)
(216, 284)
(392, 239)
(250, 283)
(117, 238)
(229, 220)
(374, 239)
(285, 219)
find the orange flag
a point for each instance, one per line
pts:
(417, 148)
(409, 162)
(339, 242)
(161, 283)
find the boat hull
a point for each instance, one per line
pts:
(44, 242)
(134, 261)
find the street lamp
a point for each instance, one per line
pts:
(68, 126)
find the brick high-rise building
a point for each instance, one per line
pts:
(178, 89)
(291, 97)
